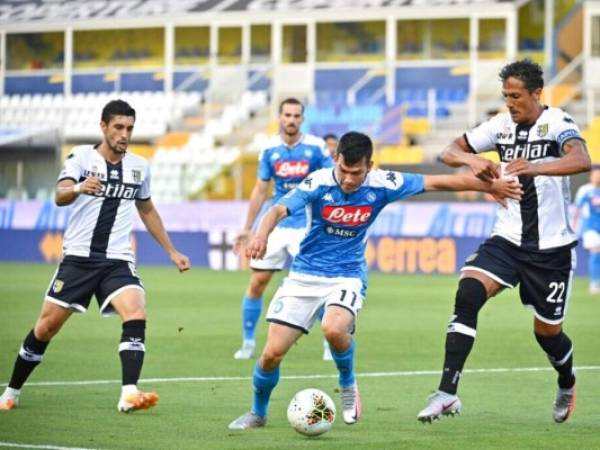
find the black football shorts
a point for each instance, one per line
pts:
(78, 278)
(544, 278)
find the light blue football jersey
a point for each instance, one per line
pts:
(288, 166)
(589, 204)
(337, 237)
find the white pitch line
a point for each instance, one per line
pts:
(305, 377)
(49, 447)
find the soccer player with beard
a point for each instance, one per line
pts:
(105, 184)
(287, 159)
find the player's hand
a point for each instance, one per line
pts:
(91, 186)
(484, 169)
(180, 260)
(257, 247)
(240, 242)
(520, 167)
(503, 188)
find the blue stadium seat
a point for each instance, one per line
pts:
(180, 76)
(91, 82)
(430, 77)
(140, 81)
(31, 84)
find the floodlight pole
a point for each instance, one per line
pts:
(390, 59)
(549, 38)
(473, 69)
(169, 57)
(2, 60)
(68, 62)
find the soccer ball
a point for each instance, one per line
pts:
(311, 412)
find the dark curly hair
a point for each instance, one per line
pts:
(529, 72)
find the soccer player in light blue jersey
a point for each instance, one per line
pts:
(588, 213)
(330, 268)
(287, 159)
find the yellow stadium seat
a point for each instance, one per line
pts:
(174, 139)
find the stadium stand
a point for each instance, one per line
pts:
(344, 70)
(78, 115)
(13, 10)
(183, 171)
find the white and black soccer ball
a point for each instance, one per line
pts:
(311, 412)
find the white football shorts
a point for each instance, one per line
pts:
(591, 239)
(283, 241)
(297, 302)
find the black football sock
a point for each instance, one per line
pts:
(559, 350)
(131, 350)
(30, 355)
(470, 297)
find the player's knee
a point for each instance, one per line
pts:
(333, 332)
(470, 297)
(45, 329)
(271, 357)
(258, 284)
(545, 329)
(132, 309)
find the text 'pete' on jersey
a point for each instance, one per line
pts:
(347, 215)
(288, 166)
(540, 220)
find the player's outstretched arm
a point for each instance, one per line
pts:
(67, 190)
(154, 225)
(458, 154)
(257, 198)
(500, 188)
(576, 160)
(258, 245)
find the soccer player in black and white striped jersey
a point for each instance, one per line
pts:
(105, 185)
(532, 243)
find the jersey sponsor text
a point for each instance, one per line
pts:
(347, 215)
(292, 169)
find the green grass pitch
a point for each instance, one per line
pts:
(194, 329)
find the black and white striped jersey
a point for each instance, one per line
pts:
(540, 221)
(100, 224)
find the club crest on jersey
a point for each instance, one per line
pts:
(292, 169)
(371, 196)
(114, 174)
(57, 286)
(278, 306)
(347, 215)
(308, 153)
(137, 175)
(542, 130)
